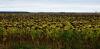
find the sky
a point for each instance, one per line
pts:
(50, 5)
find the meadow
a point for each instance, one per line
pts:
(49, 30)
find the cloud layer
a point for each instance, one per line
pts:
(46, 6)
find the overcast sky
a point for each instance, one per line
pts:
(50, 5)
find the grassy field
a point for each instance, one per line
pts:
(49, 30)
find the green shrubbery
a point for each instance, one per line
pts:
(50, 31)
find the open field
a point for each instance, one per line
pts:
(49, 30)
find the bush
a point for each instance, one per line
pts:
(1, 30)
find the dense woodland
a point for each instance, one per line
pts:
(24, 30)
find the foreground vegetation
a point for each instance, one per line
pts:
(49, 31)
